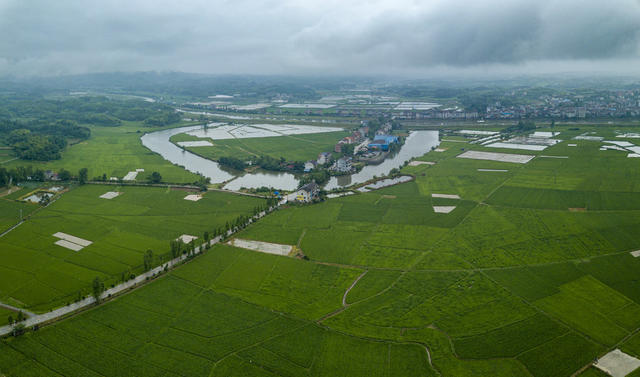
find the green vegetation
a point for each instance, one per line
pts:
(510, 283)
(113, 152)
(291, 148)
(38, 274)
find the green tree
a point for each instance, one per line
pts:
(10, 320)
(82, 175)
(21, 317)
(64, 175)
(98, 288)
(148, 260)
(155, 177)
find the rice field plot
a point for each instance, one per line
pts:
(449, 364)
(173, 327)
(590, 170)
(524, 197)
(284, 284)
(10, 211)
(593, 308)
(510, 340)
(374, 282)
(41, 274)
(461, 177)
(292, 147)
(619, 272)
(561, 356)
(113, 151)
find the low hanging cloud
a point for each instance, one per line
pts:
(40, 37)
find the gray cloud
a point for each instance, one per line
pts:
(317, 36)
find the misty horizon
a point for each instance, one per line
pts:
(392, 38)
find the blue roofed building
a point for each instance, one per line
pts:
(382, 142)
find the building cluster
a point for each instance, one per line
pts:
(608, 104)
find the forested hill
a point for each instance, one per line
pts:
(40, 129)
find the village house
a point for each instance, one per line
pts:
(382, 142)
(343, 165)
(324, 158)
(309, 165)
(307, 192)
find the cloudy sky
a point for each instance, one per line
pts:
(45, 37)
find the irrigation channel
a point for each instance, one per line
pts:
(44, 318)
(416, 144)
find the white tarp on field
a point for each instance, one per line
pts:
(492, 156)
(418, 163)
(110, 195)
(263, 247)
(131, 176)
(635, 254)
(193, 197)
(443, 209)
(617, 363)
(198, 143)
(445, 196)
(528, 147)
(70, 238)
(186, 238)
(69, 245)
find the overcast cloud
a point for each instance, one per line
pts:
(44, 37)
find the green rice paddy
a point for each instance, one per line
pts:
(530, 275)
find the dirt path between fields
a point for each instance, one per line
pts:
(13, 308)
(344, 298)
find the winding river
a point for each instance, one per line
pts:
(416, 144)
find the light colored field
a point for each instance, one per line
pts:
(633, 155)
(263, 247)
(193, 197)
(527, 147)
(199, 143)
(544, 134)
(417, 106)
(418, 163)
(501, 157)
(636, 253)
(255, 106)
(572, 145)
(74, 239)
(69, 245)
(617, 363)
(229, 131)
(445, 196)
(589, 138)
(545, 156)
(131, 176)
(494, 170)
(619, 143)
(110, 195)
(478, 133)
(307, 106)
(333, 196)
(186, 238)
(443, 209)
(439, 149)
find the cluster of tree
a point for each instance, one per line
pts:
(28, 173)
(319, 176)
(40, 140)
(164, 118)
(31, 146)
(232, 162)
(522, 126)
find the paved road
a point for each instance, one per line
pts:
(36, 319)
